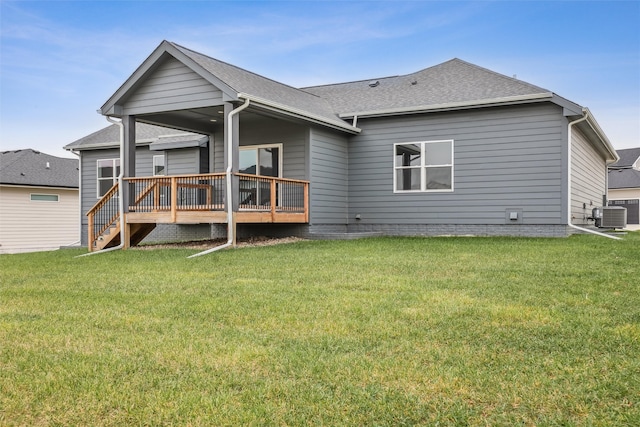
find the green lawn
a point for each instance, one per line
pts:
(384, 331)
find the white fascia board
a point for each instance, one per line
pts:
(35, 187)
(105, 145)
(294, 112)
(451, 106)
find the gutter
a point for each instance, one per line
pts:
(449, 106)
(79, 193)
(585, 116)
(231, 229)
(120, 199)
(336, 124)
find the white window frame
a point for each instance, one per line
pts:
(258, 147)
(164, 165)
(115, 164)
(423, 167)
(57, 197)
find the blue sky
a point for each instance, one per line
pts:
(61, 60)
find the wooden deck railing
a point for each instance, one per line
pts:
(103, 215)
(264, 193)
(205, 192)
(177, 193)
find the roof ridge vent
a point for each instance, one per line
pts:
(374, 83)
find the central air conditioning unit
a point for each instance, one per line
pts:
(610, 216)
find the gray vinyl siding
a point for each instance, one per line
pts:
(328, 192)
(183, 161)
(504, 158)
(588, 178)
(259, 131)
(172, 86)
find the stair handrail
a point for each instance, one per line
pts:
(95, 210)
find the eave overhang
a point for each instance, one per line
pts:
(33, 186)
(593, 124)
(106, 145)
(297, 113)
(450, 106)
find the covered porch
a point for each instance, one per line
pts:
(234, 114)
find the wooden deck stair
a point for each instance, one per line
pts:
(111, 237)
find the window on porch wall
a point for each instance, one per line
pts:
(263, 160)
(108, 171)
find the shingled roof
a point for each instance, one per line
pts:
(33, 168)
(454, 82)
(628, 157)
(622, 174)
(624, 178)
(255, 85)
(109, 137)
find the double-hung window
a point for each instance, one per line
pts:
(423, 166)
(108, 171)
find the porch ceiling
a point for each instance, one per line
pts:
(199, 120)
(204, 120)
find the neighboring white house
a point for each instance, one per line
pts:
(39, 201)
(624, 185)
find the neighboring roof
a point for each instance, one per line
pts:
(628, 157)
(454, 82)
(33, 168)
(109, 137)
(624, 178)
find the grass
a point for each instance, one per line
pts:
(384, 331)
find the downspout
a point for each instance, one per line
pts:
(231, 229)
(79, 194)
(585, 116)
(120, 199)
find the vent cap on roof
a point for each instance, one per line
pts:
(374, 83)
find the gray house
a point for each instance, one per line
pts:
(451, 149)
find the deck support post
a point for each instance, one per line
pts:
(126, 233)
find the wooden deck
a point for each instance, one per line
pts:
(195, 199)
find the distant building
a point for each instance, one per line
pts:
(624, 185)
(39, 201)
